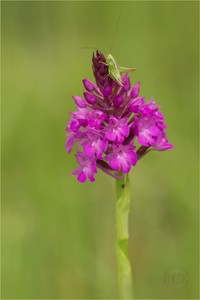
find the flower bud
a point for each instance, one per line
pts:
(107, 91)
(135, 90)
(90, 98)
(89, 85)
(118, 100)
(79, 101)
(126, 83)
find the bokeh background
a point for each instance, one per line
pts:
(58, 235)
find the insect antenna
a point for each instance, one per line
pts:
(93, 48)
(116, 30)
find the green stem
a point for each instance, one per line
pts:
(122, 213)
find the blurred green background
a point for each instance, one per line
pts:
(58, 235)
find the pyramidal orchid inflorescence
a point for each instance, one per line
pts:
(108, 121)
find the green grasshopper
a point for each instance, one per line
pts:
(114, 70)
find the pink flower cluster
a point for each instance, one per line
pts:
(108, 121)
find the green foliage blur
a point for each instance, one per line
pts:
(58, 236)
